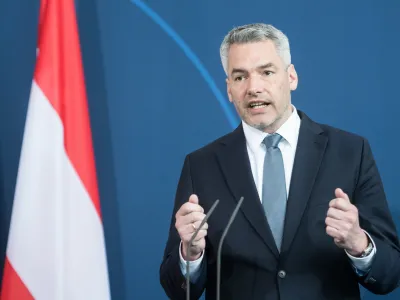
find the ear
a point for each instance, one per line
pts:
(293, 78)
(228, 89)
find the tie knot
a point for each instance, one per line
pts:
(272, 140)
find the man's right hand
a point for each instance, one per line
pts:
(188, 219)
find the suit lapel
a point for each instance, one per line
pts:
(235, 165)
(310, 150)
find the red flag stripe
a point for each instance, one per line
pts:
(59, 73)
(13, 287)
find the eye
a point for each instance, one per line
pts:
(239, 78)
(268, 73)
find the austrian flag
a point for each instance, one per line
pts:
(56, 246)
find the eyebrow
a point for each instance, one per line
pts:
(266, 66)
(238, 70)
(262, 67)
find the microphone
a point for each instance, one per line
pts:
(231, 219)
(190, 244)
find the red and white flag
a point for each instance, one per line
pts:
(56, 247)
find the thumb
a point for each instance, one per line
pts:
(194, 199)
(340, 194)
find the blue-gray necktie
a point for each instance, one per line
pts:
(274, 194)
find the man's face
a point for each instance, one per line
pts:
(259, 84)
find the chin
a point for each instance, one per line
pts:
(260, 126)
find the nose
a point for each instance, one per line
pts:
(254, 87)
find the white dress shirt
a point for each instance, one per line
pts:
(256, 151)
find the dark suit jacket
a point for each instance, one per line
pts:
(310, 266)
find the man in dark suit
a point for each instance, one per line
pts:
(314, 222)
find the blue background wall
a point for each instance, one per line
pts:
(157, 91)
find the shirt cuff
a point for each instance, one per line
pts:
(194, 266)
(363, 264)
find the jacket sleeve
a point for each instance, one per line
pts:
(375, 218)
(171, 277)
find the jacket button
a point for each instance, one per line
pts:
(282, 274)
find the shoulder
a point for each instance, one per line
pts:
(234, 138)
(334, 134)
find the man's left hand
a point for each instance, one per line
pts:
(342, 224)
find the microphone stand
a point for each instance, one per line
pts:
(190, 245)
(231, 219)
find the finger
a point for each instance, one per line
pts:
(200, 235)
(332, 223)
(336, 213)
(197, 225)
(340, 194)
(333, 232)
(185, 231)
(342, 236)
(199, 244)
(192, 218)
(189, 223)
(194, 199)
(341, 226)
(192, 227)
(339, 242)
(188, 208)
(341, 204)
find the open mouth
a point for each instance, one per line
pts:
(258, 104)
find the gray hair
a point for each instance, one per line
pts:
(255, 33)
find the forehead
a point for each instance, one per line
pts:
(251, 55)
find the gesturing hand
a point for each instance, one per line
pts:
(342, 224)
(188, 219)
